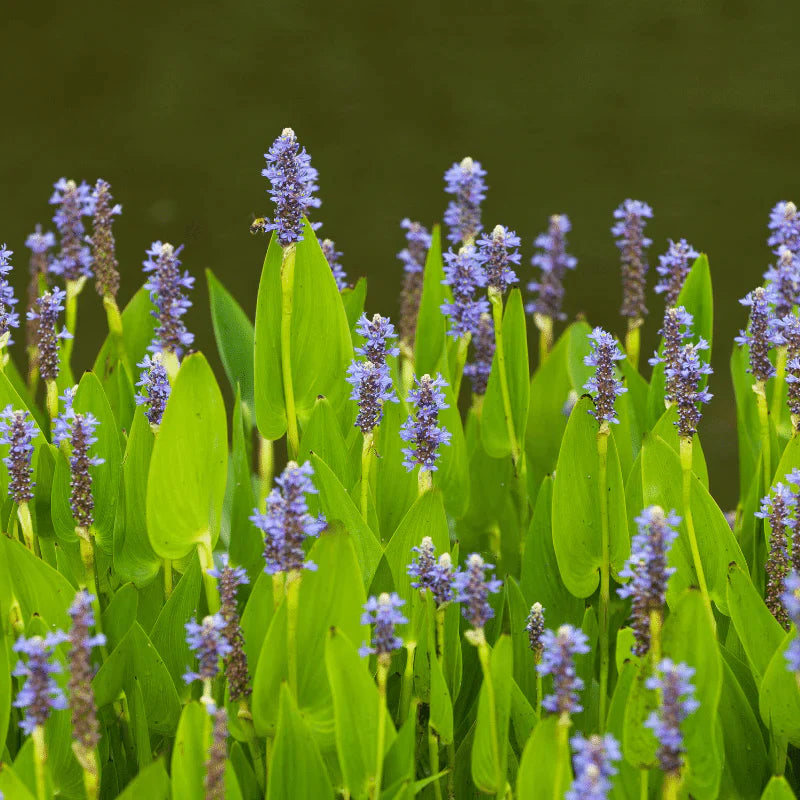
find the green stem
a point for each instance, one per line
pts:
(632, 341)
(655, 638)
(451, 775)
(278, 590)
(71, 315)
(167, 579)
(644, 779)
(383, 672)
(669, 790)
(461, 360)
(115, 329)
(87, 758)
(406, 368)
(759, 388)
(206, 557)
(778, 384)
(545, 326)
(292, 608)
(440, 640)
(496, 300)
(169, 358)
(287, 305)
(367, 452)
(484, 654)
(245, 717)
(538, 692)
(605, 570)
(39, 761)
(686, 465)
(433, 756)
(406, 683)
(424, 481)
(25, 522)
(266, 465)
(52, 399)
(562, 755)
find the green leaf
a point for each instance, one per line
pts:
(12, 787)
(747, 423)
(576, 516)
(152, 783)
(778, 789)
(626, 784)
(322, 436)
(429, 342)
(353, 301)
(441, 705)
(190, 751)
(188, 468)
(256, 618)
(234, 334)
(537, 767)
(5, 686)
(120, 614)
(640, 742)
(778, 696)
(296, 768)
(494, 427)
(518, 611)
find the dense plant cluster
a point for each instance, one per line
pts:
(369, 578)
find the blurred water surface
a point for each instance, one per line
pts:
(571, 106)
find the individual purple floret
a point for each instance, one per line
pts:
(791, 602)
(593, 761)
(777, 507)
(18, 430)
(79, 430)
(40, 694)
(761, 334)
(8, 317)
(106, 267)
(784, 224)
(604, 384)
(166, 285)
(207, 640)
(648, 571)
(783, 280)
(676, 329)
(535, 628)
(687, 374)
(74, 260)
(293, 183)
(383, 613)
(421, 429)
(472, 589)
(332, 256)
(463, 215)
(631, 218)
(677, 701)
(413, 257)
(498, 253)
(673, 268)
(479, 369)
(287, 523)
(155, 388)
(85, 728)
(554, 261)
(379, 333)
(464, 275)
(236, 671)
(559, 649)
(214, 778)
(432, 574)
(45, 313)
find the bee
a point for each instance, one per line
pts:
(258, 225)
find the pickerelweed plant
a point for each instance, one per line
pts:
(548, 600)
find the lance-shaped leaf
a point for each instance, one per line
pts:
(779, 697)
(430, 339)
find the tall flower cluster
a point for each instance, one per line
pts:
(74, 202)
(18, 430)
(332, 256)
(761, 334)
(535, 628)
(791, 603)
(479, 369)
(207, 641)
(554, 261)
(432, 574)
(559, 649)
(106, 267)
(777, 507)
(154, 388)
(464, 275)
(790, 334)
(421, 430)
(85, 727)
(498, 253)
(783, 280)
(604, 384)
(384, 613)
(648, 571)
(673, 267)
(412, 256)
(167, 288)
(8, 317)
(686, 377)
(45, 313)
(676, 329)
(472, 590)
(593, 761)
(293, 182)
(214, 779)
(784, 227)
(40, 695)
(465, 181)
(631, 218)
(673, 681)
(287, 522)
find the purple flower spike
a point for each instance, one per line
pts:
(423, 433)
(465, 181)
(214, 779)
(40, 695)
(432, 574)
(207, 641)
(535, 628)
(673, 268)
(480, 368)
(8, 317)
(791, 602)
(498, 254)
(554, 261)
(287, 524)
(166, 285)
(594, 766)
(18, 430)
(648, 571)
(677, 703)
(631, 219)
(413, 259)
(778, 507)
(784, 226)
(604, 384)
(332, 256)
(783, 280)
(45, 313)
(383, 613)
(378, 332)
(415, 252)
(106, 267)
(85, 728)
(464, 275)
(155, 388)
(74, 260)
(472, 589)
(676, 329)
(687, 374)
(293, 183)
(558, 659)
(761, 334)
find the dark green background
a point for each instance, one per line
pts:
(571, 107)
